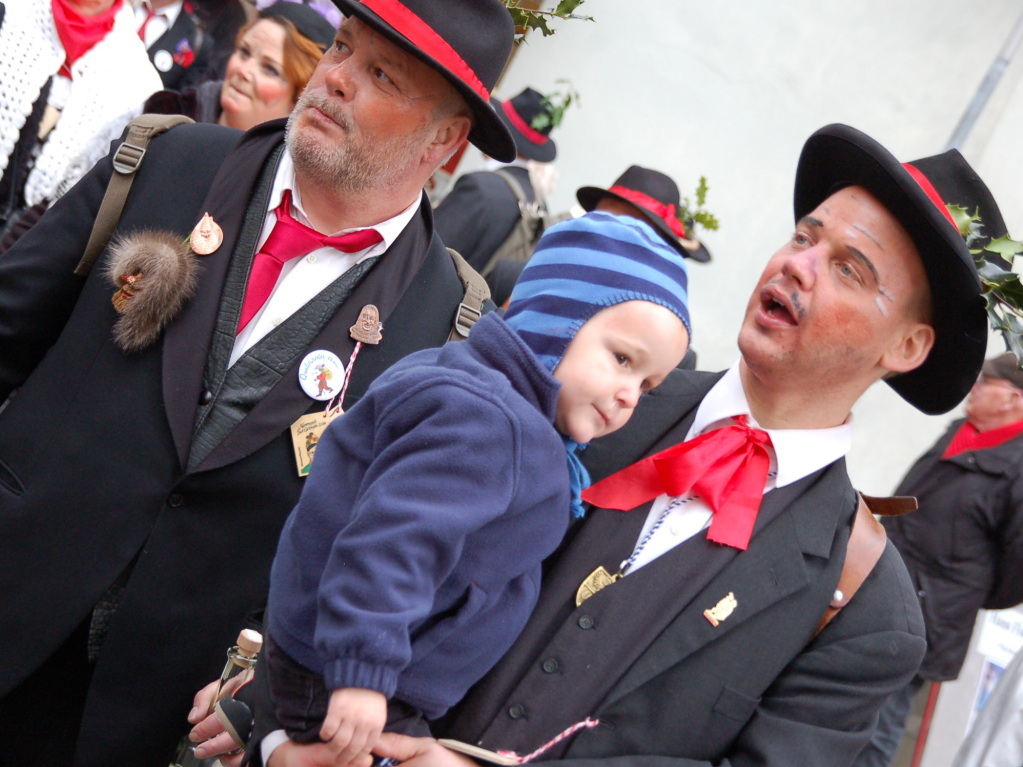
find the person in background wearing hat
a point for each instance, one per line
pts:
(964, 547)
(482, 209)
(176, 40)
(412, 559)
(274, 57)
(685, 631)
(148, 466)
(651, 197)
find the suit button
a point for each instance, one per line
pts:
(585, 622)
(206, 397)
(517, 711)
(921, 593)
(549, 666)
(971, 459)
(175, 500)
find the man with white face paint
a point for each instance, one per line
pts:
(687, 631)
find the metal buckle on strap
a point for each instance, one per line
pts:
(465, 319)
(128, 157)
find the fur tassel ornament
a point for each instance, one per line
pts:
(155, 274)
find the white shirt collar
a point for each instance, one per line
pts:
(285, 180)
(797, 452)
(169, 13)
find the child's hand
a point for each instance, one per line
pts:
(355, 718)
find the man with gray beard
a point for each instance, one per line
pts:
(167, 404)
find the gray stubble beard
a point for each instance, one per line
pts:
(349, 167)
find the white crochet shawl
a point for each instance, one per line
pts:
(109, 85)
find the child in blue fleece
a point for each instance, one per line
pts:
(412, 560)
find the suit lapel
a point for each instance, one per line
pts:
(799, 520)
(385, 286)
(187, 340)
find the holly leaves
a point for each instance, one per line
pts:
(1002, 289)
(527, 18)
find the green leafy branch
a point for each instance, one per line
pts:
(529, 18)
(689, 213)
(1003, 291)
(554, 106)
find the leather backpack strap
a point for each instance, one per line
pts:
(866, 544)
(127, 160)
(476, 294)
(522, 235)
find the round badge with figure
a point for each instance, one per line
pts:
(320, 374)
(163, 60)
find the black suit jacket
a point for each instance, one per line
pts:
(93, 447)
(189, 47)
(668, 687)
(479, 213)
(964, 547)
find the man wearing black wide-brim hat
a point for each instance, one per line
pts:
(735, 614)
(147, 463)
(493, 216)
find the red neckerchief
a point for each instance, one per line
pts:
(78, 33)
(726, 467)
(968, 438)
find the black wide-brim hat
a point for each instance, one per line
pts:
(838, 156)
(308, 22)
(649, 190)
(467, 41)
(517, 114)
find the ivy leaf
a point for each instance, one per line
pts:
(701, 192)
(1006, 247)
(528, 18)
(962, 218)
(706, 220)
(538, 22)
(687, 214)
(554, 106)
(567, 7)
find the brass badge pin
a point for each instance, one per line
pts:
(207, 236)
(721, 610)
(367, 328)
(594, 582)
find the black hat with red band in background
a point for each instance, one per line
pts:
(518, 114)
(657, 199)
(916, 194)
(467, 41)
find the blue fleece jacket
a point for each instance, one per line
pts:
(412, 560)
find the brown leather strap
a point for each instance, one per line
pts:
(476, 293)
(126, 160)
(866, 544)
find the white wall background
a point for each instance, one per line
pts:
(731, 90)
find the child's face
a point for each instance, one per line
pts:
(618, 354)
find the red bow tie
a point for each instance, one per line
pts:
(726, 468)
(290, 239)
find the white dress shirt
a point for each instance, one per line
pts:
(302, 278)
(795, 453)
(162, 20)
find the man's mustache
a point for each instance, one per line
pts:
(324, 105)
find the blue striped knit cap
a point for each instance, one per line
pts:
(586, 264)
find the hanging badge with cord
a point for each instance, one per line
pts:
(318, 375)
